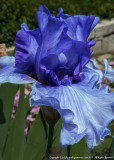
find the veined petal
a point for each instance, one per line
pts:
(85, 111)
(9, 73)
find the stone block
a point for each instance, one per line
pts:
(2, 50)
(10, 50)
(104, 28)
(108, 43)
(97, 48)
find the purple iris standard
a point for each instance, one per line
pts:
(56, 58)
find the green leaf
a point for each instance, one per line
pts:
(111, 150)
(78, 150)
(0, 156)
(16, 140)
(7, 94)
(57, 131)
(37, 141)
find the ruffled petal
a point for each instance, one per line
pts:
(54, 43)
(57, 39)
(80, 26)
(60, 12)
(86, 111)
(9, 73)
(109, 72)
(91, 69)
(84, 51)
(27, 42)
(43, 8)
(66, 62)
(53, 31)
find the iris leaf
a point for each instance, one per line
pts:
(57, 131)
(55, 150)
(15, 143)
(37, 141)
(77, 150)
(0, 156)
(111, 150)
(80, 150)
(7, 94)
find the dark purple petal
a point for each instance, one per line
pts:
(56, 50)
(27, 42)
(43, 8)
(64, 49)
(84, 54)
(54, 42)
(60, 12)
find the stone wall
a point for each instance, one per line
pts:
(103, 34)
(10, 51)
(2, 50)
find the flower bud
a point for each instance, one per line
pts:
(51, 115)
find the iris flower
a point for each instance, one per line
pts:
(56, 58)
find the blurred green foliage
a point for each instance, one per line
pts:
(13, 13)
(112, 85)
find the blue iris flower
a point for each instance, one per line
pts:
(56, 58)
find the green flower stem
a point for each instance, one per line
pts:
(50, 138)
(68, 150)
